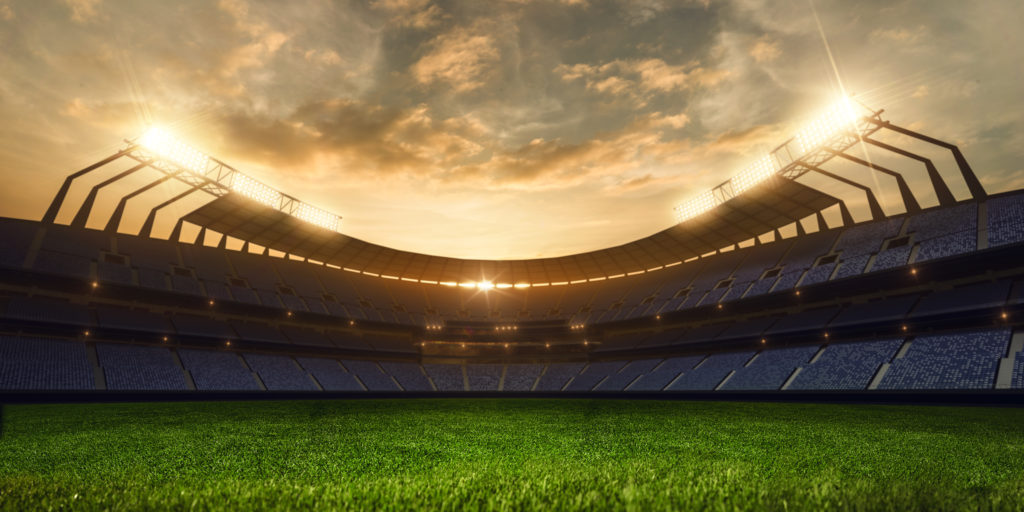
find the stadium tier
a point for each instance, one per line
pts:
(919, 301)
(961, 360)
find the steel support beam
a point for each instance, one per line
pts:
(147, 227)
(941, 189)
(51, 213)
(83, 211)
(977, 191)
(909, 201)
(115, 218)
(873, 205)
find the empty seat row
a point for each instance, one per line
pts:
(958, 360)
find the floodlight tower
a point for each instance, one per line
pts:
(158, 149)
(829, 136)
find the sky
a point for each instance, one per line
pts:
(498, 129)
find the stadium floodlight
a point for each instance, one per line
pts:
(158, 142)
(695, 206)
(318, 217)
(255, 190)
(168, 147)
(756, 173)
(485, 285)
(839, 117)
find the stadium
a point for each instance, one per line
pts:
(779, 345)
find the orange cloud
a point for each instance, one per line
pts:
(463, 58)
(623, 76)
(82, 11)
(765, 50)
(419, 14)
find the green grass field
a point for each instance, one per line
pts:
(447, 454)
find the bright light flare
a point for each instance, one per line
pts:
(756, 173)
(166, 146)
(255, 190)
(839, 117)
(695, 206)
(485, 285)
(318, 217)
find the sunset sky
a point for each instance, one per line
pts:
(493, 129)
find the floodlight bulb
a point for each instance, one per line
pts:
(757, 172)
(695, 206)
(255, 190)
(318, 217)
(167, 147)
(839, 117)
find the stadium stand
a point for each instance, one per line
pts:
(1005, 220)
(965, 360)
(120, 318)
(447, 377)
(849, 366)
(18, 238)
(710, 372)
(133, 367)
(409, 375)
(484, 377)
(48, 311)
(257, 331)
(961, 299)
(875, 311)
(770, 369)
(593, 374)
(632, 371)
(557, 375)
(371, 376)
(329, 374)
(814, 319)
(279, 373)
(521, 377)
(218, 370)
(44, 364)
(664, 374)
(300, 327)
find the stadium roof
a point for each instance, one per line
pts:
(774, 203)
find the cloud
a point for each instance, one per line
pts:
(264, 43)
(363, 140)
(464, 58)
(640, 78)
(82, 11)
(900, 35)
(418, 14)
(323, 57)
(638, 12)
(76, 108)
(677, 121)
(765, 50)
(368, 142)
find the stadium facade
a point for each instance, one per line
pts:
(738, 296)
